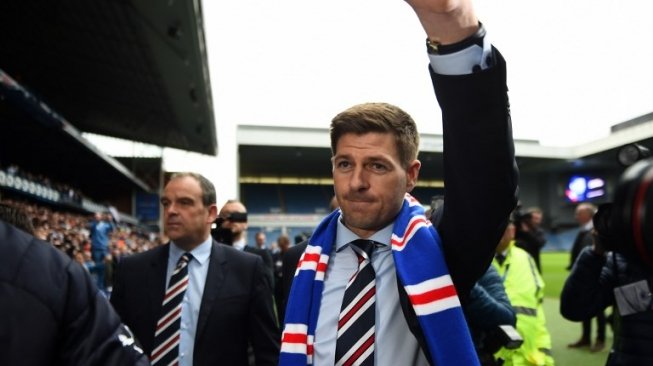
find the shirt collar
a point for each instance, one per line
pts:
(201, 252)
(239, 244)
(345, 236)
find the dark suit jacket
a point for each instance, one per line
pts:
(480, 175)
(236, 305)
(583, 239)
(266, 256)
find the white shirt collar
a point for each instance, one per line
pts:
(239, 244)
(345, 236)
(201, 252)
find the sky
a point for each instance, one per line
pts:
(575, 68)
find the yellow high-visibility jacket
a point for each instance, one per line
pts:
(525, 289)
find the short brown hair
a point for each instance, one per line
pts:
(378, 117)
(208, 189)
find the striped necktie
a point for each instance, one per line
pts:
(355, 344)
(166, 336)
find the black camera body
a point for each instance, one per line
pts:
(627, 224)
(225, 235)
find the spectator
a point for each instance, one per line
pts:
(78, 256)
(260, 238)
(100, 229)
(284, 244)
(584, 214)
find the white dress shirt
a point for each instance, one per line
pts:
(198, 268)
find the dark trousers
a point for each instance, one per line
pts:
(600, 325)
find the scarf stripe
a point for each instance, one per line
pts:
(421, 269)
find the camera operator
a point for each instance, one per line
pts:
(617, 270)
(231, 228)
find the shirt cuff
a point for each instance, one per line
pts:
(471, 59)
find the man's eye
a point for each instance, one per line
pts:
(378, 167)
(343, 164)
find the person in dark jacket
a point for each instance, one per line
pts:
(598, 280)
(52, 313)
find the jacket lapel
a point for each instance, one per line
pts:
(214, 281)
(155, 281)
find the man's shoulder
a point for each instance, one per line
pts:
(295, 252)
(518, 253)
(251, 249)
(231, 253)
(138, 259)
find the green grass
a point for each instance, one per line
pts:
(563, 331)
(554, 272)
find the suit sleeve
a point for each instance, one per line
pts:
(93, 333)
(489, 305)
(480, 172)
(263, 329)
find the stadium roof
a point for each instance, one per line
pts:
(39, 140)
(130, 69)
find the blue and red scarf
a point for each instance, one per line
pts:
(421, 269)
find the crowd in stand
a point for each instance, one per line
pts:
(68, 193)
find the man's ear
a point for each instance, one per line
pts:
(213, 213)
(412, 172)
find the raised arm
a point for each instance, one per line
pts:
(480, 173)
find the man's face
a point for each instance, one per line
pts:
(186, 220)
(237, 228)
(536, 219)
(260, 239)
(583, 216)
(369, 181)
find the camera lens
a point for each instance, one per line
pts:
(633, 201)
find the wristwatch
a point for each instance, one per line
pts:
(435, 48)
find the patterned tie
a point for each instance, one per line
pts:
(166, 337)
(355, 344)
